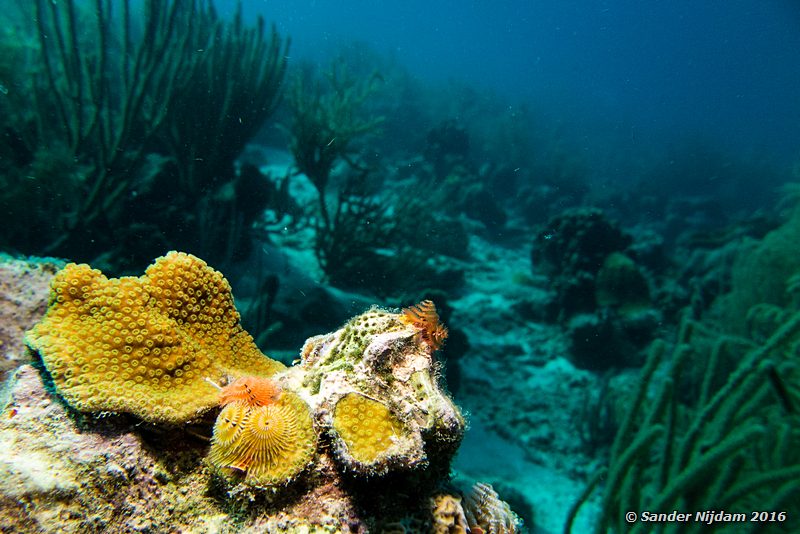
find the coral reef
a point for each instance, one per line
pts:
(145, 345)
(578, 240)
(93, 153)
(620, 284)
(602, 296)
(761, 273)
(302, 449)
(729, 444)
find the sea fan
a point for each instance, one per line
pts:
(425, 317)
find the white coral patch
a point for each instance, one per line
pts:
(24, 471)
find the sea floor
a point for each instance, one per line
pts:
(523, 397)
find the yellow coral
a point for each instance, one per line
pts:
(145, 345)
(270, 443)
(367, 427)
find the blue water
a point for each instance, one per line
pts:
(616, 74)
(588, 174)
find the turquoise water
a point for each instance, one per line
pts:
(599, 199)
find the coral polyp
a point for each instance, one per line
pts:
(367, 428)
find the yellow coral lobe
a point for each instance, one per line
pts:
(367, 427)
(273, 444)
(252, 390)
(145, 345)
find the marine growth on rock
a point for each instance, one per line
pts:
(145, 345)
(156, 346)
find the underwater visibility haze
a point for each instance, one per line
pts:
(449, 267)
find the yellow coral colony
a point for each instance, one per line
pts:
(270, 442)
(145, 345)
(366, 427)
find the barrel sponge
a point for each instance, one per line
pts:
(145, 345)
(270, 444)
(367, 427)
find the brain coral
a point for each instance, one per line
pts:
(270, 443)
(145, 345)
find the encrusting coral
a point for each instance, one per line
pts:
(380, 366)
(145, 345)
(363, 402)
(366, 427)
